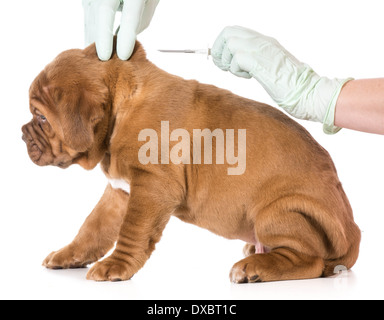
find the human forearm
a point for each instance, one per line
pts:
(360, 106)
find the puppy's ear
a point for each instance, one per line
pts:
(83, 111)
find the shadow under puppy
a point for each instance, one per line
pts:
(288, 204)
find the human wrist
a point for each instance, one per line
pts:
(329, 126)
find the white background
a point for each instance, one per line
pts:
(41, 209)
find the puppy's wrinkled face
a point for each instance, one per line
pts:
(44, 147)
(67, 101)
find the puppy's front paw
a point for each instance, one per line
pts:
(69, 257)
(110, 270)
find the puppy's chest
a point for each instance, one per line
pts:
(120, 184)
(113, 176)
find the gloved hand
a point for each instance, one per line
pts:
(99, 23)
(293, 85)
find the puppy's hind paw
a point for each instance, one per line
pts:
(239, 275)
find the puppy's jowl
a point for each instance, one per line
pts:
(286, 201)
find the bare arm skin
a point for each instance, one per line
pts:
(361, 106)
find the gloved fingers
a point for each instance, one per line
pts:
(130, 23)
(217, 50)
(237, 69)
(228, 33)
(106, 13)
(226, 58)
(229, 58)
(230, 40)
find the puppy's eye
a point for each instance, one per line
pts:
(42, 118)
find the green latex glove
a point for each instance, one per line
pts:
(293, 85)
(100, 18)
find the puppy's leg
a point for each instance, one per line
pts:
(296, 244)
(147, 215)
(279, 264)
(97, 235)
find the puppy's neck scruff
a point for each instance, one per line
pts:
(118, 74)
(133, 76)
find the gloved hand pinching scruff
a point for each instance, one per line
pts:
(293, 85)
(99, 23)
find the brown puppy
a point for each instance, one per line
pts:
(287, 202)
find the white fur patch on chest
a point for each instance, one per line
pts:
(120, 184)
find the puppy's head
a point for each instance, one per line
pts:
(69, 102)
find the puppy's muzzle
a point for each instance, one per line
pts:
(36, 145)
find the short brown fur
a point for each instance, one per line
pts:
(289, 199)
